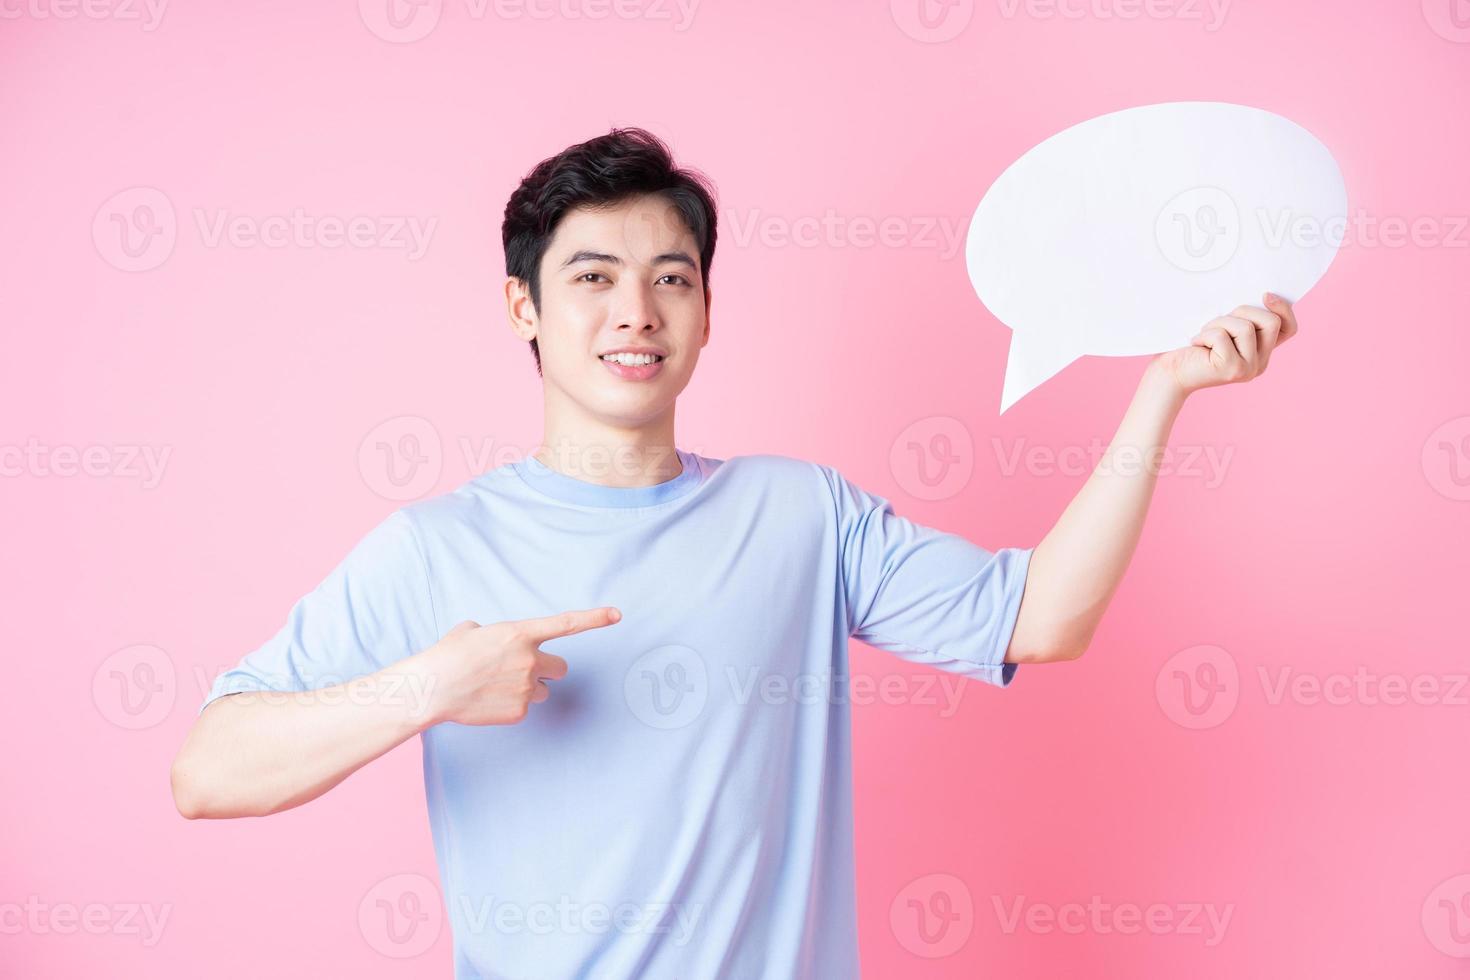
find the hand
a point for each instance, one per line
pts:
(1230, 348)
(490, 675)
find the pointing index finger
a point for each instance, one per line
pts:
(541, 628)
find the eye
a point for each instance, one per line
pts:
(674, 275)
(583, 276)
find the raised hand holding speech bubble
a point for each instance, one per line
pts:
(1125, 234)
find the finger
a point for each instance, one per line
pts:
(541, 693)
(1243, 332)
(464, 627)
(1223, 353)
(1232, 332)
(542, 628)
(1282, 308)
(550, 666)
(1268, 329)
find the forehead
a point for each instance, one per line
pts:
(633, 230)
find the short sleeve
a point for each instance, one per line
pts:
(374, 608)
(929, 596)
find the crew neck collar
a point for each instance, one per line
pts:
(570, 489)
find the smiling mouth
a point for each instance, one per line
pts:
(634, 367)
(632, 360)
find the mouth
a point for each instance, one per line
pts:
(633, 367)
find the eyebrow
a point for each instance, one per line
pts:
(588, 255)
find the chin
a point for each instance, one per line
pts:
(633, 413)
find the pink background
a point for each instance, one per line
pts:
(1333, 543)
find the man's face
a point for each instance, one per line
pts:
(613, 278)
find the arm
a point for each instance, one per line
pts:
(1077, 566)
(249, 755)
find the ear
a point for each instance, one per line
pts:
(709, 297)
(519, 308)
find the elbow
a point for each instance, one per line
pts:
(1051, 653)
(188, 798)
(1070, 645)
(1052, 648)
(193, 796)
(199, 784)
(195, 800)
(1070, 650)
(1044, 633)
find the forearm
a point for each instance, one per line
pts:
(257, 753)
(1077, 566)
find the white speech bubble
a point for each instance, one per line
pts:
(1125, 234)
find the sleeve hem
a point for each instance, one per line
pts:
(1012, 613)
(992, 670)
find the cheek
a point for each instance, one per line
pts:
(573, 327)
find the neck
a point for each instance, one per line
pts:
(607, 452)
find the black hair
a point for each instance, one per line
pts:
(603, 171)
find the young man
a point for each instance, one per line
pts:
(582, 638)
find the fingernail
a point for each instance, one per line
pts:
(1272, 298)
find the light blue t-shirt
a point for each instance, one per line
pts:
(681, 805)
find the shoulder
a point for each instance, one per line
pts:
(773, 468)
(795, 479)
(472, 502)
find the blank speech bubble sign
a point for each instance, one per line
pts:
(1125, 234)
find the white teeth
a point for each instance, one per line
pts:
(631, 360)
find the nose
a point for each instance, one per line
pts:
(637, 309)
